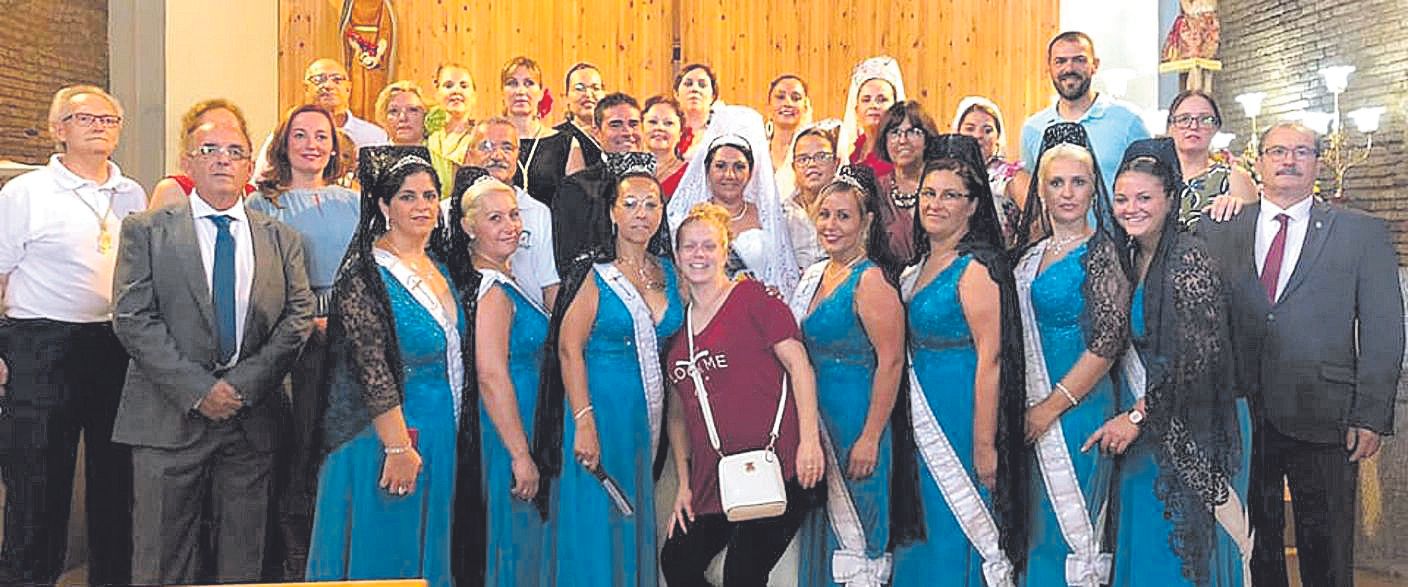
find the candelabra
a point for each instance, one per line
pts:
(1251, 106)
(1339, 153)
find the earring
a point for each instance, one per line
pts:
(613, 229)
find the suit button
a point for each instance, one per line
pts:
(1271, 317)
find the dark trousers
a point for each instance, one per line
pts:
(65, 380)
(754, 546)
(1323, 485)
(295, 476)
(171, 486)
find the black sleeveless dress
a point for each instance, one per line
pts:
(547, 167)
(591, 150)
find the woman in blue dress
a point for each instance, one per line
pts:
(298, 189)
(966, 381)
(510, 328)
(853, 326)
(1185, 435)
(614, 314)
(400, 421)
(1073, 291)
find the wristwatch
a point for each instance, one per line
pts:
(1136, 417)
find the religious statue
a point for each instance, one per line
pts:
(1195, 33)
(368, 30)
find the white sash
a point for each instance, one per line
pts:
(849, 564)
(425, 296)
(948, 472)
(1085, 565)
(647, 355)
(491, 277)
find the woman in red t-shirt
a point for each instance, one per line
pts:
(744, 341)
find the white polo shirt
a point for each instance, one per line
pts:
(532, 264)
(50, 241)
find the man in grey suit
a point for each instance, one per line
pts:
(1317, 326)
(211, 301)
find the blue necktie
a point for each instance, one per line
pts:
(222, 287)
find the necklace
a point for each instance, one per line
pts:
(420, 266)
(845, 268)
(903, 200)
(500, 267)
(524, 165)
(643, 270)
(1057, 244)
(104, 237)
(735, 217)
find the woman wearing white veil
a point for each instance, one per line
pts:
(866, 105)
(763, 246)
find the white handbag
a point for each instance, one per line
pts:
(750, 483)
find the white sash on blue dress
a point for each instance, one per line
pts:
(647, 354)
(422, 293)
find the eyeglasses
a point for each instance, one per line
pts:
(1301, 152)
(234, 152)
(322, 78)
(402, 113)
(1190, 121)
(946, 196)
(487, 147)
(912, 133)
(818, 158)
(85, 119)
(581, 87)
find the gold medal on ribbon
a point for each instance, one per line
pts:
(104, 241)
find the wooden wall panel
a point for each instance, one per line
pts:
(946, 50)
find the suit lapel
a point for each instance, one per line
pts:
(186, 244)
(1244, 233)
(265, 253)
(1320, 221)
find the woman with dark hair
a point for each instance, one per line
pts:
(978, 117)
(876, 85)
(399, 493)
(603, 396)
(696, 89)
(966, 376)
(852, 322)
(1186, 436)
(814, 165)
(746, 343)
(790, 110)
(905, 136)
(545, 155)
(298, 190)
(1073, 289)
(583, 89)
(662, 119)
(1212, 185)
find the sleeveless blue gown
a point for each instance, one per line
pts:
(1058, 301)
(1143, 555)
(844, 361)
(360, 531)
(945, 361)
(515, 529)
(593, 544)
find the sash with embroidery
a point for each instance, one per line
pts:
(1086, 564)
(849, 564)
(423, 295)
(957, 488)
(647, 354)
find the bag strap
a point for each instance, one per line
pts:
(692, 367)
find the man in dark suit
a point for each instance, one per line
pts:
(212, 328)
(580, 218)
(1317, 325)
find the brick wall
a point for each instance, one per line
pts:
(1278, 46)
(45, 45)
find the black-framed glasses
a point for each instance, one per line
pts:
(1189, 120)
(945, 196)
(912, 133)
(1300, 152)
(821, 158)
(234, 152)
(85, 119)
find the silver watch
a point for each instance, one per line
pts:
(1136, 417)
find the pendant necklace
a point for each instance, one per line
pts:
(104, 237)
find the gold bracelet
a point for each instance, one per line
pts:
(1066, 392)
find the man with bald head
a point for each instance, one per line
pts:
(1317, 333)
(212, 330)
(326, 84)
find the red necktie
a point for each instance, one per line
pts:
(1271, 268)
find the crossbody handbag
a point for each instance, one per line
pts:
(750, 482)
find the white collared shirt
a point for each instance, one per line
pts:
(49, 241)
(244, 256)
(1266, 228)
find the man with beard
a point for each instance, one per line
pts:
(579, 214)
(326, 84)
(1317, 333)
(493, 146)
(1111, 124)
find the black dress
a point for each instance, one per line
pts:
(547, 167)
(591, 150)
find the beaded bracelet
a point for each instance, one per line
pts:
(397, 450)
